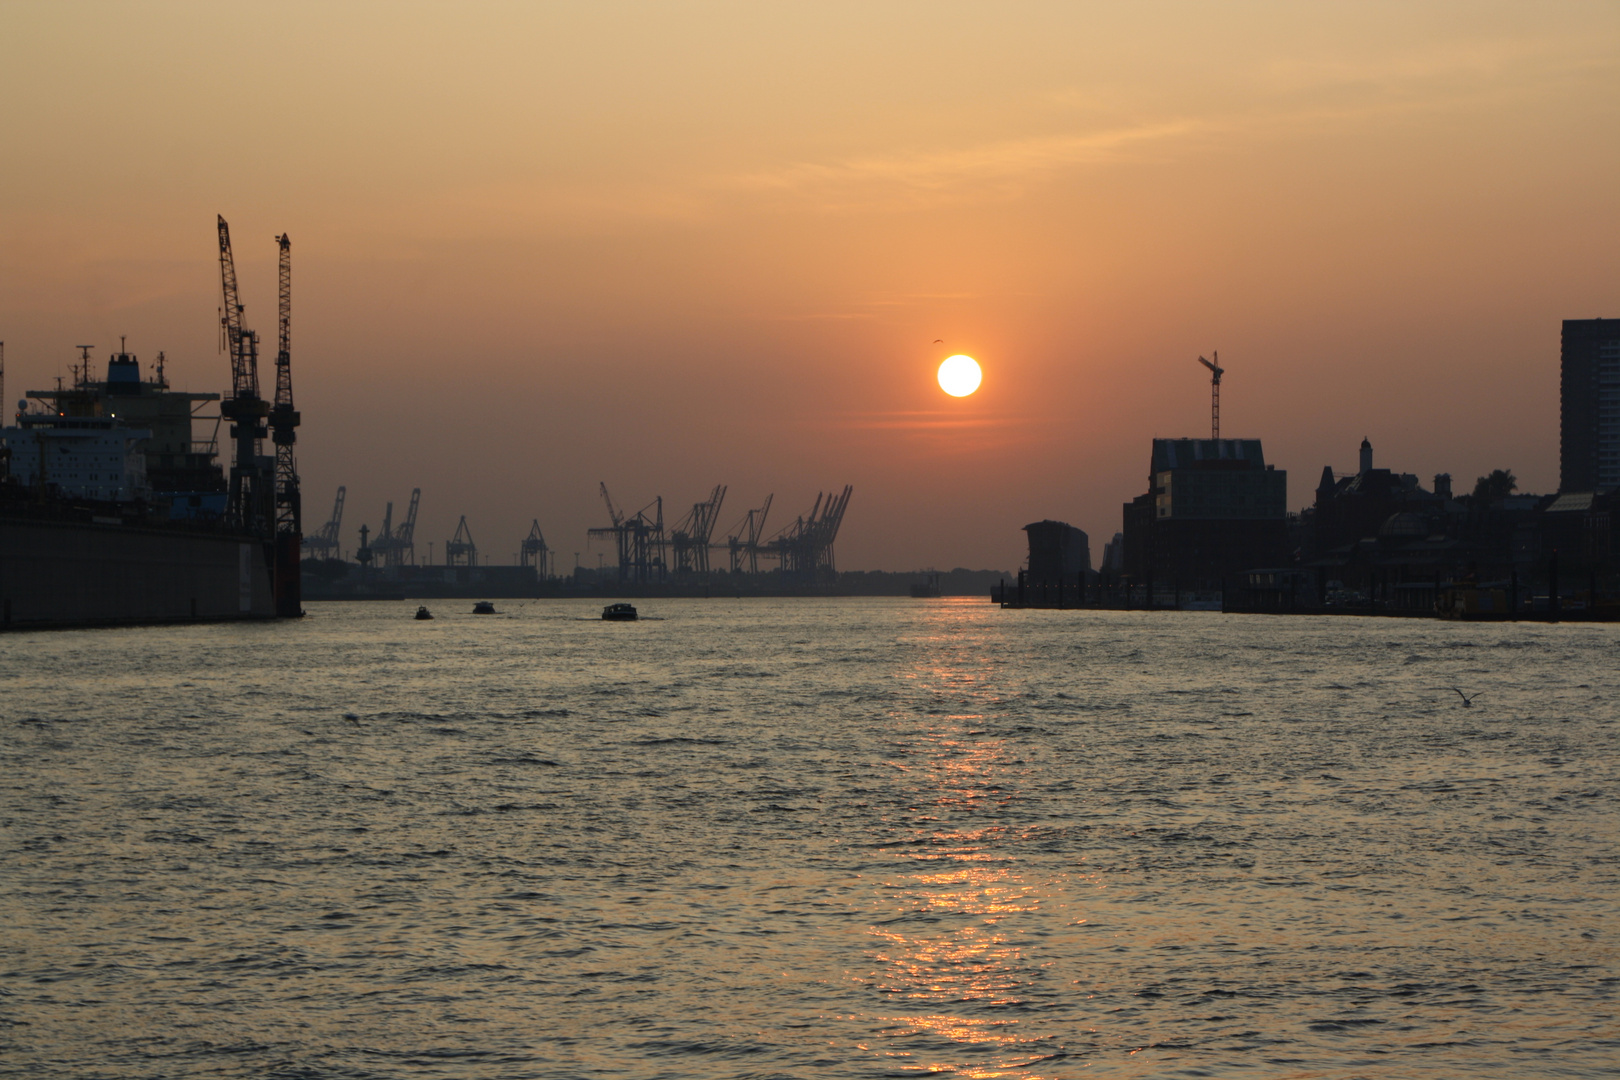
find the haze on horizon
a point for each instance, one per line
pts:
(535, 247)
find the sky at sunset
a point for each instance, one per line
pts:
(538, 246)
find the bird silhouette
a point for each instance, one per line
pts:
(1468, 702)
(939, 341)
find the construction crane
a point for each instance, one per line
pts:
(250, 500)
(284, 431)
(689, 538)
(1215, 373)
(323, 544)
(742, 539)
(535, 553)
(460, 550)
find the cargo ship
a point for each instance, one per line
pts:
(113, 512)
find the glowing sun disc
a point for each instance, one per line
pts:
(959, 375)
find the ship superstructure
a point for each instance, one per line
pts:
(90, 457)
(178, 468)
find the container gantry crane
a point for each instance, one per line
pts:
(743, 539)
(405, 539)
(640, 540)
(460, 550)
(535, 553)
(323, 544)
(689, 539)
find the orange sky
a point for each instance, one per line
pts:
(540, 246)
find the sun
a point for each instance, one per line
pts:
(959, 375)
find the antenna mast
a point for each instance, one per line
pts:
(1215, 373)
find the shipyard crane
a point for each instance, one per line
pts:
(460, 550)
(250, 504)
(284, 431)
(323, 544)
(535, 553)
(1215, 373)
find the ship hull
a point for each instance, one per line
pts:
(56, 573)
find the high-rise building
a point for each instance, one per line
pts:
(1589, 395)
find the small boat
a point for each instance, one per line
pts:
(423, 613)
(619, 612)
(484, 607)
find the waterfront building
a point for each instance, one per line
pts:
(1367, 504)
(1058, 552)
(1213, 508)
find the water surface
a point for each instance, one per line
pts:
(796, 838)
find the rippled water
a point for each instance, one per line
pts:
(798, 838)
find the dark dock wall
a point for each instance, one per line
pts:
(55, 573)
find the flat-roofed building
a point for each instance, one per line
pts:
(1213, 508)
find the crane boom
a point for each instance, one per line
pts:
(251, 500)
(244, 372)
(618, 518)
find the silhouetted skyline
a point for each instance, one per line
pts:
(673, 248)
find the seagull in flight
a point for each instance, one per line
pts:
(939, 341)
(1468, 702)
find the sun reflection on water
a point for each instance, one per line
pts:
(948, 940)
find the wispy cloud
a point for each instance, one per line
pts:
(878, 182)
